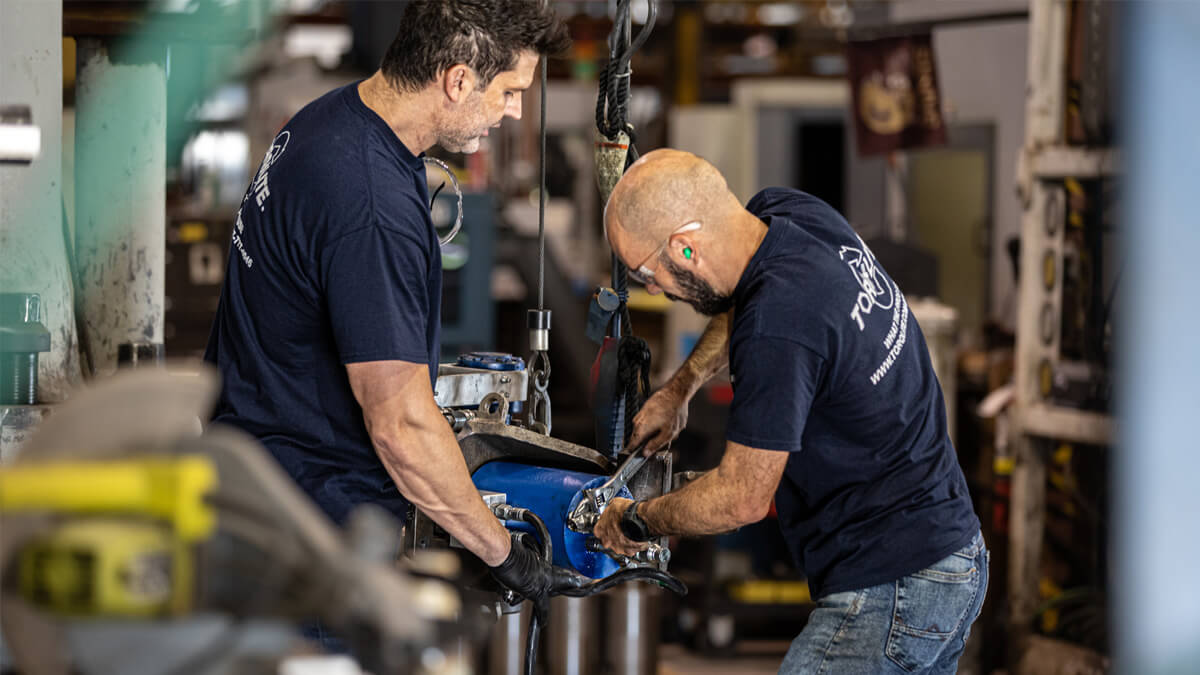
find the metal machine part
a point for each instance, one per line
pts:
(487, 438)
(572, 639)
(539, 330)
(22, 337)
(506, 650)
(684, 477)
(457, 418)
(484, 441)
(605, 303)
(539, 417)
(550, 493)
(478, 377)
(632, 635)
(459, 385)
(594, 497)
(653, 554)
(583, 518)
(491, 361)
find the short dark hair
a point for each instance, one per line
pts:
(487, 35)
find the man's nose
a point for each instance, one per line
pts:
(513, 109)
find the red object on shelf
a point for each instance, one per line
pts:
(720, 394)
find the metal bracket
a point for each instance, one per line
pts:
(493, 408)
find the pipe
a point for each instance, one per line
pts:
(571, 639)
(120, 196)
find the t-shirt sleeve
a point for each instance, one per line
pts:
(376, 286)
(774, 383)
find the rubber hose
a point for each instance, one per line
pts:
(531, 641)
(547, 548)
(636, 574)
(543, 532)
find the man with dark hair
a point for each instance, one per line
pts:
(326, 336)
(837, 417)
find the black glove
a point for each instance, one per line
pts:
(525, 572)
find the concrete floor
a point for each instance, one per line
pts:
(751, 658)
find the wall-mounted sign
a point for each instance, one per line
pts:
(895, 94)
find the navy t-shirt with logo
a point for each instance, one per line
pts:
(334, 260)
(829, 364)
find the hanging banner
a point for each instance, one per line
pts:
(895, 95)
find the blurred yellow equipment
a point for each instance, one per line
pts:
(123, 541)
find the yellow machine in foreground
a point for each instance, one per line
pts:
(126, 546)
(119, 515)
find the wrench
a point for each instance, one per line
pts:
(585, 516)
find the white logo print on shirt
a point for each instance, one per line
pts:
(260, 190)
(259, 186)
(877, 291)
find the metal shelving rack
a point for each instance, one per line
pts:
(1044, 162)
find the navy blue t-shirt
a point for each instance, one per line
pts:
(828, 364)
(334, 260)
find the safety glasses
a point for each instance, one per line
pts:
(644, 275)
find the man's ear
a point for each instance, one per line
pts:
(458, 81)
(684, 246)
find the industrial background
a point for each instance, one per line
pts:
(1042, 236)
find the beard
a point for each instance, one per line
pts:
(465, 133)
(700, 294)
(464, 143)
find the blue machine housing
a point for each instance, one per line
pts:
(551, 494)
(491, 361)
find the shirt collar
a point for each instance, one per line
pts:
(765, 248)
(415, 162)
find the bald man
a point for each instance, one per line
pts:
(837, 416)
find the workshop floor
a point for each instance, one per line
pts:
(751, 658)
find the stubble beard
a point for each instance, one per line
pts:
(453, 141)
(464, 134)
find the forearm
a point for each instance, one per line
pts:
(738, 492)
(709, 357)
(427, 465)
(701, 507)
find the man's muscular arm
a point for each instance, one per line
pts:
(418, 450)
(664, 415)
(738, 492)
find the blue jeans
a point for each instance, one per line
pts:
(916, 624)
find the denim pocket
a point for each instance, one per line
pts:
(930, 607)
